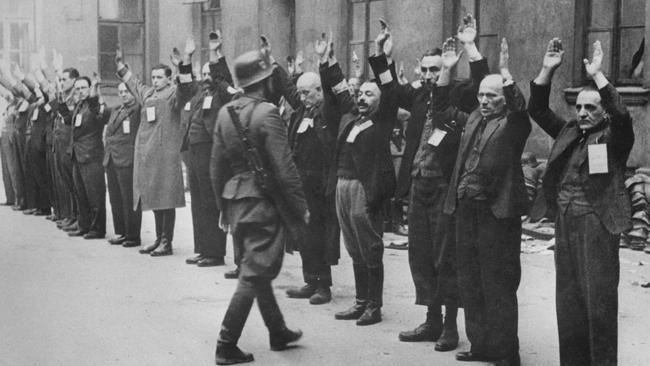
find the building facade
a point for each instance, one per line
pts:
(87, 32)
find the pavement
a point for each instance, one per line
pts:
(69, 301)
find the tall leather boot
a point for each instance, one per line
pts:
(372, 315)
(361, 287)
(227, 352)
(448, 341)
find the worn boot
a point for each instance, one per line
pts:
(304, 292)
(150, 248)
(429, 331)
(361, 288)
(372, 315)
(281, 339)
(230, 354)
(322, 295)
(448, 341)
(165, 248)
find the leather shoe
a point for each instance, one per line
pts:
(94, 235)
(194, 260)
(322, 295)
(232, 275)
(150, 248)
(17, 208)
(372, 315)
(352, 313)
(131, 243)
(29, 211)
(71, 227)
(165, 248)
(448, 341)
(41, 213)
(77, 233)
(117, 240)
(425, 332)
(230, 354)
(65, 222)
(470, 356)
(211, 262)
(280, 339)
(304, 292)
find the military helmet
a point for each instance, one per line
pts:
(252, 67)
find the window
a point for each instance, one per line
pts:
(17, 32)
(121, 22)
(363, 27)
(210, 21)
(620, 27)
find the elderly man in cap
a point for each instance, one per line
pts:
(487, 196)
(251, 149)
(584, 183)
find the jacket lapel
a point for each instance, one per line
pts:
(489, 130)
(470, 127)
(562, 143)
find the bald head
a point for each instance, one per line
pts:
(490, 95)
(309, 88)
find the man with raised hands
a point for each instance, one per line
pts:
(432, 141)
(365, 177)
(312, 137)
(157, 175)
(205, 98)
(487, 196)
(584, 183)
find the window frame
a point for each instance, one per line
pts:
(366, 41)
(584, 29)
(118, 23)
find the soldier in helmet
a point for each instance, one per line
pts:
(253, 219)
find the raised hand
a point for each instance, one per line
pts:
(190, 47)
(18, 72)
(300, 59)
(417, 71)
(467, 31)
(175, 57)
(57, 60)
(504, 60)
(265, 45)
(215, 41)
(449, 56)
(94, 84)
(291, 66)
(554, 54)
(356, 65)
(384, 42)
(119, 57)
(595, 66)
(323, 47)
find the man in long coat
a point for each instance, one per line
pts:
(157, 174)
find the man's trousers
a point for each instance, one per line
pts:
(362, 236)
(126, 221)
(65, 184)
(432, 240)
(10, 194)
(29, 181)
(165, 220)
(91, 194)
(316, 248)
(16, 171)
(209, 239)
(38, 172)
(50, 159)
(586, 290)
(489, 272)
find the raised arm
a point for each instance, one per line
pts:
(540, 90)
(619, 117)
(135, 86)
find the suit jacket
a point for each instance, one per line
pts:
(417, 102)
(120, 145)
(605, 192)
(232, 178)
(500, 151)
(86, 145)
